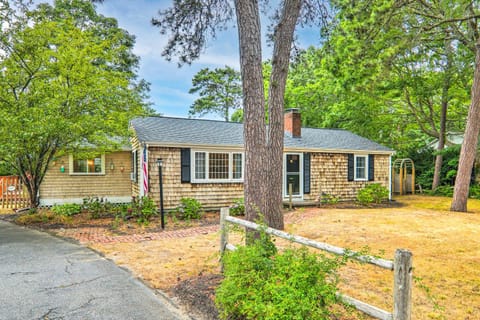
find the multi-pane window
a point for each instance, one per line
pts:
(200, 168)
(237, 166)
(361, 167)
(94, 165)
(217, 166)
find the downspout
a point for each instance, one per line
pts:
(390, 178)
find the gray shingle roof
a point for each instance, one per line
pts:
(197, 132)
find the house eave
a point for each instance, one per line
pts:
(345, 151)
(286, 149)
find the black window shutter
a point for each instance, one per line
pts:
(371, 167)
(134, 177)
(306, 172)
(185, 161)
(351, 167)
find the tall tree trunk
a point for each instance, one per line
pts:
(283, 38)
(254, 131)
(469, 145)
(443, 115)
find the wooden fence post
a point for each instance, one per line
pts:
(402, 286)
(224, 212)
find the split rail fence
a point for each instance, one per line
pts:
(401, 267)
(12, 193)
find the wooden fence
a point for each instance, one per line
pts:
(401, 267)
(12, 193)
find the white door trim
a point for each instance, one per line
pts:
(284, 180)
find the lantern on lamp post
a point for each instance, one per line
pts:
(160, 182)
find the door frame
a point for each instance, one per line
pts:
(284, 178)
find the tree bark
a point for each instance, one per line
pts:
(443, 116)
(254, 131)
(469, 145)
(283, 38)
(264, 154)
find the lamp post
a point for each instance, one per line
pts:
(160, 165)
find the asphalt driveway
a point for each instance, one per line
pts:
(44, 277)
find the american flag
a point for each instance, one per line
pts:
(145, 171)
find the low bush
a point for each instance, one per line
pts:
(189, 208)
(328, 199)
(474, 192)
(67, 209)
(238, 208)
(443, 191)
(97, 207)
(43, 217)
(447, 191)
(372, 193)
(261, 283)
(144, 209)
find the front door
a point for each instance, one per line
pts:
(293, 174)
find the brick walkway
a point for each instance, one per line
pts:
(100, 235)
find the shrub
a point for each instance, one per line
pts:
(261, 283)
(328, 199)
(97, 207)
(474, 191)
(144, 210)
(444, 191)
(372, 193)
(67, 209)
(189, 208)
(447, 191)
(43, 217)
(238, 207)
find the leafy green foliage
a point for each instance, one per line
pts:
(97, 207)
(43, 216)
(474, 191)
(68, 80)
(444, 191)
(424, 161)
(67, 209)
(5, 169)
(144, 209)
(238, 207)
(261, 283)
(220, 92)
(447, 191)
(327, 198)
(189, 208)
(372, 193)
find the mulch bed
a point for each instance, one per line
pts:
(197, 295)
(129, 227)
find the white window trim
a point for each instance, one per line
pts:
(301, 173)
(134, 172)
(230, 166)
(355, 167)
(70, 168)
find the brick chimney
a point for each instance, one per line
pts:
(293, 123)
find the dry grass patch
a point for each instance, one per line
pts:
(164, 263)
(445, 246)
(6, 211)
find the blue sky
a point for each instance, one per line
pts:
(170, 84)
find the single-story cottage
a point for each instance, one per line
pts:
(204, 159)
(70, 179)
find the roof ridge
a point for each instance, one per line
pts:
(189, 119)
